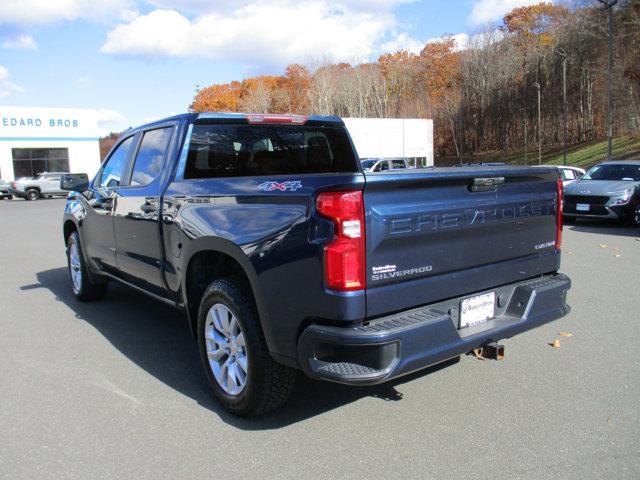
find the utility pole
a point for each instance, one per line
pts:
(537, 85)
(524, 123)
(608, 5)
(562, 53)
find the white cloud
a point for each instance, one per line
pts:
(281, 31)
(38, 12)
(21, 42)
(488, 11)
(7, 87)
(110, 121)
(201, 7)
(462, 40)
(402, 41)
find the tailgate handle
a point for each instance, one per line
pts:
(486, 184)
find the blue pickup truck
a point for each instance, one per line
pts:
(285, 256)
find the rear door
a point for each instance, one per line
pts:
(137, 230)
(441, 233)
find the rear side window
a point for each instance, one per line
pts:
(112, 171)
(398, 164)
(150, 157)
(248, 150)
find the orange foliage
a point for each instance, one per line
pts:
(440, 66)
(218, 98)
(533, 22)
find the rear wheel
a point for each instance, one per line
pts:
(234, 353)
(32, 194)
(82, 286)
(636, 216)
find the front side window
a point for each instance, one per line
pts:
(113, 169)
(150, 157)
(253, 150)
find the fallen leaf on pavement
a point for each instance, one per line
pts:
(603, 245)
(566, 334)
(555, 343)
(618, 256)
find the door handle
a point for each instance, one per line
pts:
(148, 208)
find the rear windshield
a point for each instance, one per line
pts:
(614, 172)
(248, 150)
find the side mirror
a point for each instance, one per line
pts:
(75, 182)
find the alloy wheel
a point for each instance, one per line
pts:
(226, 349)
(75, 268)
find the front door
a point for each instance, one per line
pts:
(98, 236)
(137, 229)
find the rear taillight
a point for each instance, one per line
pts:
(344, 256)
(559, 216)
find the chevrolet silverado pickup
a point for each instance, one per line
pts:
(284, 255)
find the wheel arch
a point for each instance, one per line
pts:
(210, 259)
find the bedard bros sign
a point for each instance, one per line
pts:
(31, 122)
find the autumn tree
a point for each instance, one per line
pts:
(218, 98)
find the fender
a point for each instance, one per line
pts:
(218, 244)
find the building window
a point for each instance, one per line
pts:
(28, 162)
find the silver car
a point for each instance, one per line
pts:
(609, 190)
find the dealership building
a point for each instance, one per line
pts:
(35, 140)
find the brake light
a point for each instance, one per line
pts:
(559, 216)
(279, 119)
(344, 256)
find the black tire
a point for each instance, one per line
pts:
(268, 383)
(86, 290)
(32, 194)
(10, 197)
(635, 220)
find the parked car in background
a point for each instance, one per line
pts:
(5, 190)
(383, 164)
(567, 174)
(284, 255)
(45, 184)
(609, 190)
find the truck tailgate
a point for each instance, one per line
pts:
(441, 233)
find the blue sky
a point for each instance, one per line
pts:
(140, 60)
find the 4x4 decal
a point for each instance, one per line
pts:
(290, 185)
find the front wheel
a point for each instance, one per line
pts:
(636, 216)
(234, 353)
(82, 286)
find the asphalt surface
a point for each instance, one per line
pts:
(114, 389)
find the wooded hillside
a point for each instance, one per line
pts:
(480, 95)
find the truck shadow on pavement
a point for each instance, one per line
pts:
(157, 339)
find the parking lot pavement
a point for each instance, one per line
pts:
(114, 389)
